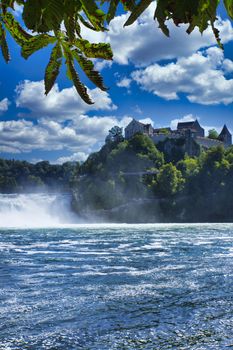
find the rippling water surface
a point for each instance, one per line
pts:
(117, 287)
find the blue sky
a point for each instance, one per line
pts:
(151, 78)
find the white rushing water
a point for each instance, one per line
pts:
(35, 210)
(42, 210)
(121, 287)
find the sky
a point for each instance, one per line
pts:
(152, 78)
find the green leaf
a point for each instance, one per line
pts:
(161, 14)
(70, 26)
(112, 10)
(197, 13)
(7, 3)
(53, 68)
(138, 10)
(74, 77)
(88, 68)
(36, 43)
(43, 15)
(229, 7)
(87, 24)
(14, 28)
(129, 5)
(28, 43)
(217, 37)
(94, 14)
(100, 50)
(3, 44)
(204, 16)
(32, 15)
(71, 16)
(53, 14)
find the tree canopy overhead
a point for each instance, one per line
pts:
(59, 22)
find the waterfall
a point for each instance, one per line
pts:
(35, 210)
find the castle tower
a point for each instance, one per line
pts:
(225, 136)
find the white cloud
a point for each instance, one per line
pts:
(147, 121)
(75, 157)
(100, 65)
(36, 160)
(143, 43)
(227, 66)
(4, 104)
(60, 104)
(60, 122)
(125, 82)
(24, 136)
(201, 77)
(82, 136)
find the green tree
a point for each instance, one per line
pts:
(8, 184)
(18, 175)
(34, 181)
(164, 131)
(212, 134)
(209, 159)
(135, 155)
(213, 170)
(188, 167)
(58, 23)
(169, 180)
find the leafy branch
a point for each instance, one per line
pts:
(59, 23)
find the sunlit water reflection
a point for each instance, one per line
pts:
(117, 287)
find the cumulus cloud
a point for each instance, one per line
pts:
(125, 82)
(227, 66)
(143, 43)
(58, 122)
(100, 65)
(75, 157)
(82, 136)
(4, 105)
(60, 104)
(24, 136)
(147, 121)
(201, 77)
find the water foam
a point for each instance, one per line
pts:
(35, 210)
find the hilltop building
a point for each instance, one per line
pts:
(225, 136)
(135, 127)
(189, 136)
(193, 126)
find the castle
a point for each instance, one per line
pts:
(190, 135)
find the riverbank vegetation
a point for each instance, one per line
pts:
(133, 181)
(22, 176)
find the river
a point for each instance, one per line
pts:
(116, 287)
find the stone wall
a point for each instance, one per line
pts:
(207, 143)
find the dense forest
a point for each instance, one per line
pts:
(135, 181)
(21, 176)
